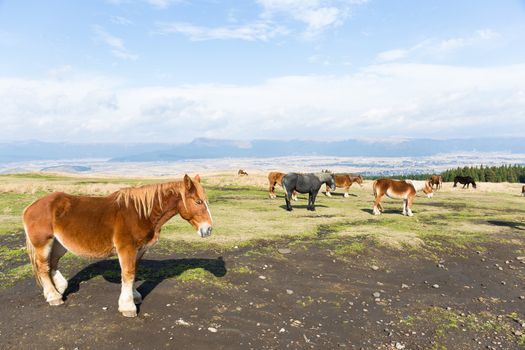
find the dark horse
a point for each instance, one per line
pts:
(465, 181)
(306, 183)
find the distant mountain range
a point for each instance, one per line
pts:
(215, 148)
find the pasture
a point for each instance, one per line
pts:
(451, 277)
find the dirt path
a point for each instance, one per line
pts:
(308, 297)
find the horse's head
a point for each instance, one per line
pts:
(194, 207)
(473, 184)
(359, 180)
(331, 182)
(428, 189)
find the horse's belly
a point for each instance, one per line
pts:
(394, 195)
(94, 245)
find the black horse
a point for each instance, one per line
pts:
(306, 183)
(465, 181)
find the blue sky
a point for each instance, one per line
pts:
(170, 71)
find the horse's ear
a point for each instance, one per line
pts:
(197, 178)
(188, 184)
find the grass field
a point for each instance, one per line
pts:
(454, 219)
(455, 223)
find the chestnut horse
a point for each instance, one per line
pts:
(276, 178)
(523, 190)
(397, 190)
(241, 172)
(125, 223)
(436, 180)
(345, 181)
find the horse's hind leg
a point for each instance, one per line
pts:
(57, 251)
(42, 262)
(409, 202)
(347, 189)
(377, 205)
(327, 191)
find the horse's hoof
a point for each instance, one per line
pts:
(129, 313)
(56, 302)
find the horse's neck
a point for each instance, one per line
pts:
(161, 214)
(324, 177)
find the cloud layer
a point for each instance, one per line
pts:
(402, 100)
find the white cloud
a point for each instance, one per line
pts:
(116, 44)
(273, 21)
(254, 31)
(316, 14)
(434, 47)
(404, 100)
(121, 20)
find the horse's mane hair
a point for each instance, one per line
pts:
(143, 197)
(324, 176)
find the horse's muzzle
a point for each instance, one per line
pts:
(430, 195)
(204, 230)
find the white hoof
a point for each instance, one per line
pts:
(56, 302)
(294, 198)
(328, 194)
(376, 211)
(132, 313)
(410, 213)
(59, 281)
(346, 195)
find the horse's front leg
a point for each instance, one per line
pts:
(137, 297)
(127, 257)
(314, 195)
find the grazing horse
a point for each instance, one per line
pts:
(241, 172)
(436, 180)
(125, 223)
(523, 190)
(345, 181)
(465, 181)
(420, 185)
(276, 178)
(306, 183)
(397, 190)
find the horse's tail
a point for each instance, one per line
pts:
(32, 256)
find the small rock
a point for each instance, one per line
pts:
(374, 267)
(399, 346)
(405, 286)
(212, 329)
(376, 294)
(289, 291)
(104, 308)
(522, 297)
(284, 250)
(435, 286)
(262, 277)
(503, 282)
(518, 333)
(181, 322)
(282, 330)
(520, 258)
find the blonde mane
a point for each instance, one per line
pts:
(144, 197)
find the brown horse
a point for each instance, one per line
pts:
(436, 180)
(523, 190)
(242, 173)
(276, 178)
(397, 190)
(345, 181)
(125, 223)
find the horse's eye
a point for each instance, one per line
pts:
(198, 201)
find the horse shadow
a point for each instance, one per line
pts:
(509, 224)
(385, 211)
(299, 206)
(150, 272)
(340, 194)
